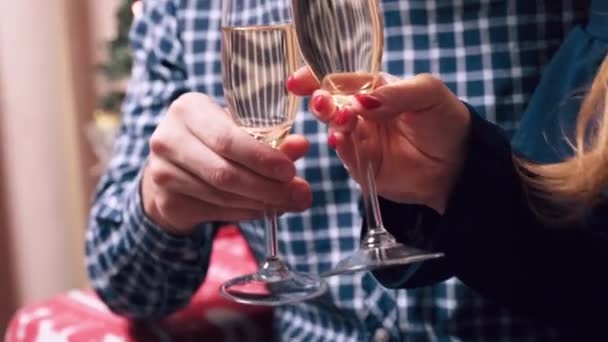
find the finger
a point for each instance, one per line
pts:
(221, 173)
(226, 175)
(172, 178)
(211, 125)
(344, 120)
(322, 105)
(343, 144)
(182, 212)
(417, 94)
(295, 146)
(386, 78)
(302, 82)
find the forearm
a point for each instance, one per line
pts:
(136, 268)
(497, 246)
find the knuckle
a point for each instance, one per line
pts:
(160, 175)
(260, 159)
(180, 107)
(223, 177)
(184, 104)
(158, 144)
(223, 144)
(431, 81)
(436, 89)
(426, 77)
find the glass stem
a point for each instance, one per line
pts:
(371, 203)
(368, 189)
(272, 243)
(377, 235)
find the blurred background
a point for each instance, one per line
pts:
(63, 70)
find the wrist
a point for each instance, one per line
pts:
(159, 241)
(454, 164)
(446, 182)
(150, 208)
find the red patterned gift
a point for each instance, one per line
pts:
(79, 316)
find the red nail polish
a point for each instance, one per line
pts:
(319, 103)
(368, 102)
(291, 83)
(332, 141)
(342, 116)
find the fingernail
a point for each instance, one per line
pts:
(332, 141)
(319, 103)
(342, 116)
(291, 83)
(368, 102)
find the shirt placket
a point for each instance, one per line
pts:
(381, 315)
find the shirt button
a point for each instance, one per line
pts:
(382, 335)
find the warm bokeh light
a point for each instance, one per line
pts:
(137, 8)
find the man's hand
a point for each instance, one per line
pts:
(203, 167)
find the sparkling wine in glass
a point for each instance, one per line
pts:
(259, 52)
(342, 42)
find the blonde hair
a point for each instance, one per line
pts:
(567, 190)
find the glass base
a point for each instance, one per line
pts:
(371, 258)
(273, 285)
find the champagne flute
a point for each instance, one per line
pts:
(259, 52)
(342, 42)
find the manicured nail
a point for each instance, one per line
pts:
(342, 116)
(332, 141)
(368, 102)
(291, 83)
(319, 103)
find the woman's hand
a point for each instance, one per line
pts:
(413, 131)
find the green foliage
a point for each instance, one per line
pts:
(112, 101)
(119, 59)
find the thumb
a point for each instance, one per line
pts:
(421, 93)
(303, 82)
(294, 146)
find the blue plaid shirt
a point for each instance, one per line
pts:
(489, 52)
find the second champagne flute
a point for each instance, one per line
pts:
(342, 42)
(259, 52)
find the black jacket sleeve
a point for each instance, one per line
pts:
(497, 246)
(491, 239)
